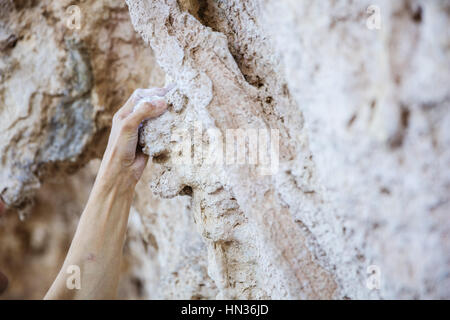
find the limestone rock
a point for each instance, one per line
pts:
(236, 217)
(83, 75)
(355, 116)
(363, 117)
(60, 82)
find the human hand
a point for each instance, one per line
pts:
(123, 162)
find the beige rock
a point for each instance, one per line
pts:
(100, 64)
(359, 192)
(33, 251)
(363, 115)
(59, 86)
(255, 248)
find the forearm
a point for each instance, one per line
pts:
(96, 250)
(97, 245)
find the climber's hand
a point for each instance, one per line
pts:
(98, 242)
(123, 162)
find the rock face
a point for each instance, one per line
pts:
(32, 252)
(361, 191)
(59, 85)
(167, 254)
(342, 108)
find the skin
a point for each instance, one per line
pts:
(98, 242)
(3, 278)
(2, 207)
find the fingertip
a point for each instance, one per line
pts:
(154, 108)
(146, 110)
(140, 163)
(160, 104)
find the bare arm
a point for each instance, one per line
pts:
(96, 248)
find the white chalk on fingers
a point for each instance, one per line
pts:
(170, 87)
(153, 97)
(144, 100)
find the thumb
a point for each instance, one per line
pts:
(139, 164)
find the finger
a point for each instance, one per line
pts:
(144, 111)
(139, 94)
(140, 163)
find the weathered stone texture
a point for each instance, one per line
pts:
(60, 85)
(364, 135)
(364, 143)
(32, 251)
(81, 77)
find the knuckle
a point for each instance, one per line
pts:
(138, 93)
(117, 117)
(127, 162)
(126, 126)
(160, 90)
(123, 129)
(143, 107)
